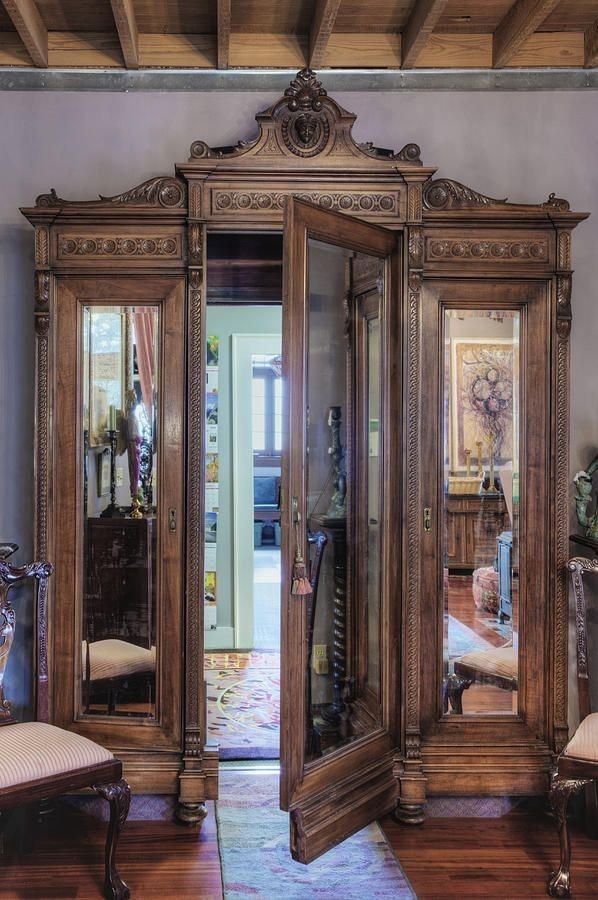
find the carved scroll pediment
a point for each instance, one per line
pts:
(165, 191)
(446, 194)
(304, 123)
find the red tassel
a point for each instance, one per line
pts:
(300, 586)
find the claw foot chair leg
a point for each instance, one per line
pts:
(561, 791)
(119, 797)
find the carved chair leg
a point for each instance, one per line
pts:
(119, 797)
(560, 792)
(456, 685)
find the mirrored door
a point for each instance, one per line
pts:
(340, 583)
(119, 434)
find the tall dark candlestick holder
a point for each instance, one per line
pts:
(112, 510)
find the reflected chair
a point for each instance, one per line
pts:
(40, 761)
(577, 766)
(111, 664)
(497, 666)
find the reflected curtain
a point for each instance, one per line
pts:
(144, 344)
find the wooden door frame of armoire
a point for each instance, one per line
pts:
(305, 147)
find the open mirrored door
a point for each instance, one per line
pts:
(340, 594)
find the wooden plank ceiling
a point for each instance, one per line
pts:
(354, 34)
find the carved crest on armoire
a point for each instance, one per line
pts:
(458, 255)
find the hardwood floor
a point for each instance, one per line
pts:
(510, 857)
(158, 860)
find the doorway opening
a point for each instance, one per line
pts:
(244, 414)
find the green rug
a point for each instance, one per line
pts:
(253, 836)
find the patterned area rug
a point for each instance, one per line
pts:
(254, 849)
(243, 692)
(462, 639)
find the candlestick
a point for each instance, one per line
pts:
(468, 462)
(479, 446)
(491, 462)
(112, 418)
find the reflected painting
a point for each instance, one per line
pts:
(481, 512)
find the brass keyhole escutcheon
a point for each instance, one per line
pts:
(427, 518)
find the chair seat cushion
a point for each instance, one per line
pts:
(500, 661)
(584, 743)
(116, 659)
(34, 750)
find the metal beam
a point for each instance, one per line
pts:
(31, 29)
(520, 22)
(126, 25)
(274, 81)
(419, 27)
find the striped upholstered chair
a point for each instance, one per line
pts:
(40, 761)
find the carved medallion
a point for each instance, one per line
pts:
(304, 134)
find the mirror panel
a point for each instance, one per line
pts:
(120, 385)
(480, 511)
(343, 489)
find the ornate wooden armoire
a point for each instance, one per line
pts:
(440, 317)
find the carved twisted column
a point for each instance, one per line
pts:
(561, 417)
(192, 782)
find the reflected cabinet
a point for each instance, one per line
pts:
(423, 468)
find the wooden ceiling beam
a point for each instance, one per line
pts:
(126, 26)
(325, 13)
(521, 21)
(223, 18)
(420, 25)
(32, 31)
(591, 46)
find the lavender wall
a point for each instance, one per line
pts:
(523, 144)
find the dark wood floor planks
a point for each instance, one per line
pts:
(156, 859)
(508, 858)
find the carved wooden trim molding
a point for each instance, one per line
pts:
(380, 202)
(42, 246)
(196, 243)
(414, 203)
(195, 189)
(412, 748)
(416, 246)
(126, 247)
(42, 330)
(42, 290)
(165, 191)
(564, 250)
(536, 251)
(561, 413)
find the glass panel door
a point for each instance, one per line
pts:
(480, 513)
(338, 619)
(121, 383)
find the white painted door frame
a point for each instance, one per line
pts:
(244, 346)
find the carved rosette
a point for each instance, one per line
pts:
(124, 247)
(499, 250)
(380, 202)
